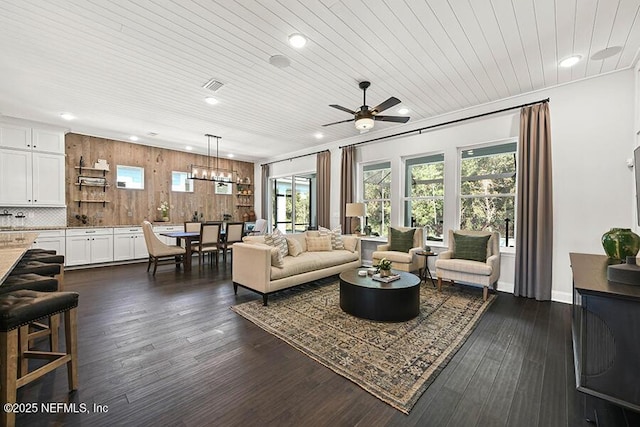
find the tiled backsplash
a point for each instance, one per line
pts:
(34, 217)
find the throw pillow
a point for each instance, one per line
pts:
(401, 241)
(276, 258)
(335, 234)
(350, 244)
(473, 248)
(295, 248)
(277, 240)
(318, 244)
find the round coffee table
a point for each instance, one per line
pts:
(364, 297)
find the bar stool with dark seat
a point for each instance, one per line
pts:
(17, 310)
(38, 283)
(45, 257)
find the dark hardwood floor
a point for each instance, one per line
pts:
(169, 351)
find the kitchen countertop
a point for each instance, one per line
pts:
(12, 247)
(63, 227)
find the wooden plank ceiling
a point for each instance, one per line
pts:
(137, 67)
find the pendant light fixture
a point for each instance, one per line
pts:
(209, 173)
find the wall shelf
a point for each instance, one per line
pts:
(104, 202)
(80, 185)
(81, 168)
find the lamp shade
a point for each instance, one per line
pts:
(355, 209)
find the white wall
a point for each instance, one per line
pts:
(592, 131)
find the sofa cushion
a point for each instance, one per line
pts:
(277, 240)
(401, 241)
(312, 261)
(335, 234)
(295, 248)
(473, 248)
(318, 244)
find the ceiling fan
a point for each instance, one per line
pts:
(365, 118)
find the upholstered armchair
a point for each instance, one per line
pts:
(402, 248)
(473, 257)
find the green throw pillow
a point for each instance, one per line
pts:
(401, 241)
(473, 248)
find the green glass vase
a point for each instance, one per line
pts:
(619, 243)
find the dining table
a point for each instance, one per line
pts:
(189, 237)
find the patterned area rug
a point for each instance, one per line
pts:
(395, 362)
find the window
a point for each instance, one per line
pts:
(293, 203)
(130, 177)
(424, 194)
(376, 187)
(180, 182)
(488, 190)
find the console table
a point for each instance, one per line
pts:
(606, 335)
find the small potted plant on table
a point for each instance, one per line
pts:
(384, 267)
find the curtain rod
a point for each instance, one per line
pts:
(447, 123)
(294, 157)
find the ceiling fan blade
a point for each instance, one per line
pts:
(340, 107)
(396, 119)
(342, 121)
(386, 104)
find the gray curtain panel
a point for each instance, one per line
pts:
(347, 175)
(323, 176)
(264, 208)
(534, 235)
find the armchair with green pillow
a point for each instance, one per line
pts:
(473, 257)
(404, 243)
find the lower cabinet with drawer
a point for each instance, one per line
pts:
(89, 246)
(51, 240)
(128, 243)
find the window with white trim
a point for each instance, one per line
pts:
(488, 190)
(424, 194)
(376, 189)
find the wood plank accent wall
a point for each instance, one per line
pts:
(129, 207)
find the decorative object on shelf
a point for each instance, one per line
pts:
(209, 173)
(164, 210)
(101, 164)
(619, 243)
(384, 267)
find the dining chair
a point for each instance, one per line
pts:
(210, 241)
(234, 234)
(158, 251)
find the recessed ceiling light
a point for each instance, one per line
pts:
(606, 53)
(318, 135)
(403, 110)
(570, 61)
(67, 116)
(297, 40)
(211, 100)
(279, 61)
(133, 138)
(188, 148)
(231, 155)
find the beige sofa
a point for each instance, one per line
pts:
(252, 264)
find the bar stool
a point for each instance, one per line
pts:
(38, 283)
(17, 310)
(44, 256)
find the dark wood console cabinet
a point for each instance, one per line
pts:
(606, 334)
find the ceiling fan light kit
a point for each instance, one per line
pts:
(365, 118)
(209, 173)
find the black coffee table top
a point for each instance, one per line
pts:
(406, 280)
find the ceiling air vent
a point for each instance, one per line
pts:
(213, 85)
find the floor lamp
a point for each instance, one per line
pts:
(355, 210)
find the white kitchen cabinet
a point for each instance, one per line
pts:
(164, 229)
(51, 240)
(27, 138)
(31, 178)
(89, 246)
(128, 243)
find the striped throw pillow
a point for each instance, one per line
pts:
(277, 240)
(335, 234)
